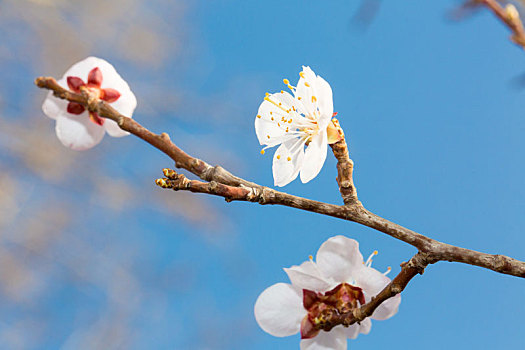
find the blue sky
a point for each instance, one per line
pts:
(434, 122)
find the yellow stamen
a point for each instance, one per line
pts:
(258, 116)
(299, 98)
(267, 94)
(286, 81)
(310, 257)
(278, 157)
(306, 84)
(268, 136)
(275, 104)
(288, 159)
(314, 99)
(272, 119)
(301, 74)
(262, 151)
(375, 252)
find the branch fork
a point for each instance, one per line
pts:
(220, 182)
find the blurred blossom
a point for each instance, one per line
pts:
(78, 128)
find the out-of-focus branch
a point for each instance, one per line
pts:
(233, 188)
(509, 16)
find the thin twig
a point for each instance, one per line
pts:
(345, 169)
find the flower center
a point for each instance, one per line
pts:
(93, 87)
(324, 309)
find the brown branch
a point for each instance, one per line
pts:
(510, 17)
(435, 250)
(224, 184)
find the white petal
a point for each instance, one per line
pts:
(333, 340)
(364, 328)
(314, 156)
(307, 276)
(338, 258)
(352, 331)
(78, 132)
(269, 123)
(387, 309)
(370, 280)
(279, 310)
(306, 89)
(113, 129)
(54, 107)
(325, 102)
(284, 170)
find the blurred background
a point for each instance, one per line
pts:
(94, 256)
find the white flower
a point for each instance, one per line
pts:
(76, 127)
(294, 122)
(339, 274)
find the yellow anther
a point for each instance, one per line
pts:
(288, 159)
(310, 257)
(314, 99)
(301, 74)
(286, 129)
(275, 104)
(375, 252)
(271, 112)
(272, 119)
(268, 136)
(278, 157)
(278, 124)
(267, 94)
(258, 116)
(293, 108)
(282, 92)
(306, 84)
(299, 98)
(262, 151)
(286, 81)
(290, 121)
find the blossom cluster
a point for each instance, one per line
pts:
(339, 280)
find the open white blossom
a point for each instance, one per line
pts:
(78, 128)
(295, 121)
(338, 281)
